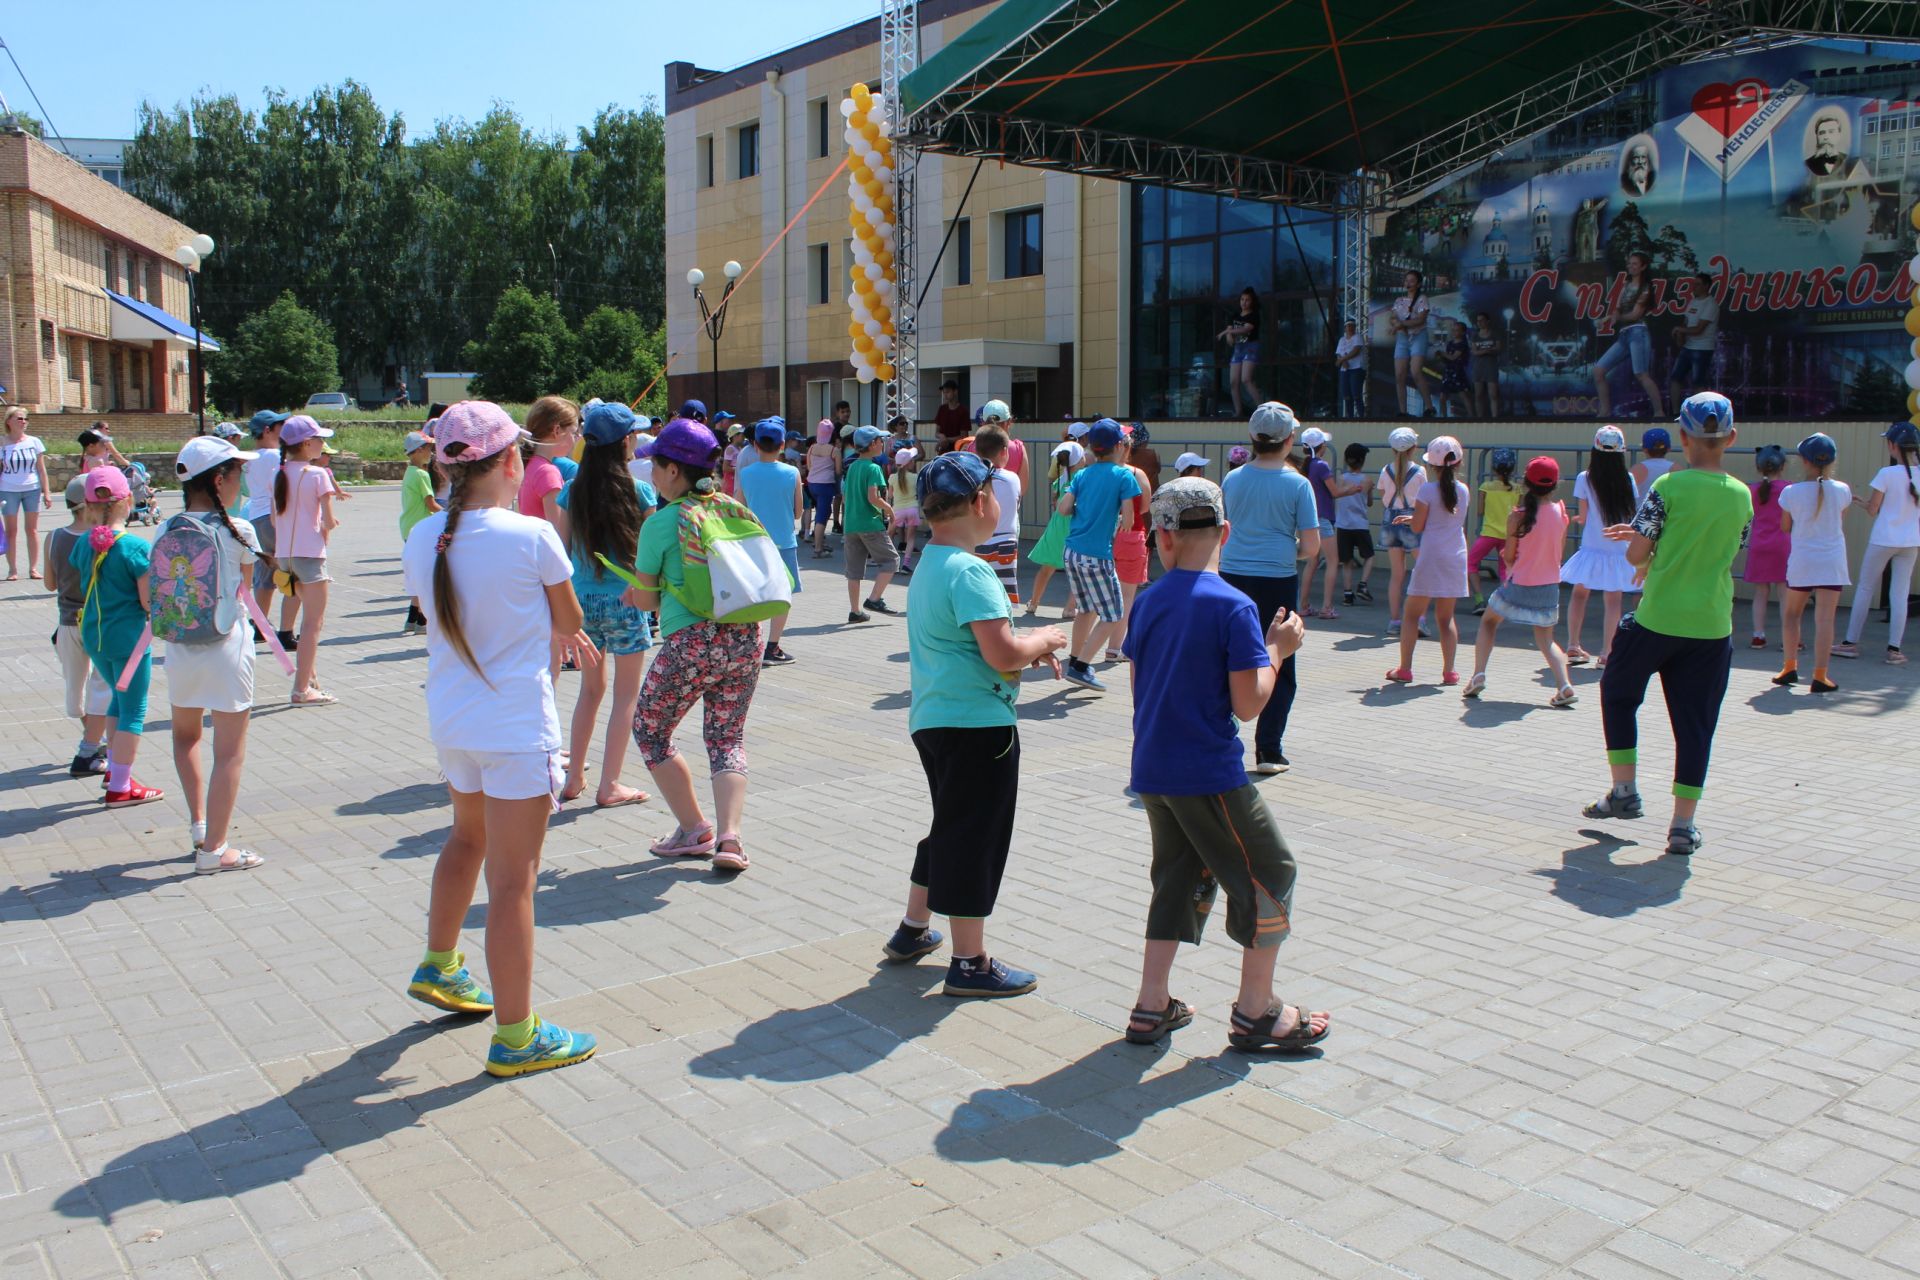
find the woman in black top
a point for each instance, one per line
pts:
(1243, 331)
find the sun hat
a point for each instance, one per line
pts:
(1186, 460)
(1314, 437)
(203, 453)
(1904, 434)
(1706, 414)
(684, 441)
(1104, 434)
(606, 423)
(106, 484)
(1444, 451)
(1187, 503)
(299, 428)
(1610, 439)
(863, 437)
(1071, 451)
(1078, 430)
(1272, 421)
(902, 457)
(1400, 439)
(995, 411)
(1239, 453)
(474, 430)
(1543, 470)
(1818, 448)
(1660, 437)
(956, 474)
(260, 422)
(415, 440)
(692, 410)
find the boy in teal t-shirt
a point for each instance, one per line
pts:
(867, 515)
(966, 661)
(1683, 540)
(1095, 505)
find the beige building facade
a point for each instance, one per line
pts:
(93, 313)
(1024, 305)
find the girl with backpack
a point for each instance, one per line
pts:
(197, 580)
(113, 624)
(496, 589)
(302, 519)
(716, 663)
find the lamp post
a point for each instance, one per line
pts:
(189, 256)
(714, 319)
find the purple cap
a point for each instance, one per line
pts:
(470, 431)
(299, 429)
(683, 441)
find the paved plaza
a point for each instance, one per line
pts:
(1555, 1051)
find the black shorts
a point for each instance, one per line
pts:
(1354, 545)
(973, 776)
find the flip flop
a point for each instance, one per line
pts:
(1177, 1014)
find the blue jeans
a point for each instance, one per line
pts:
(1269, 595)
(1353, 392)
(1632, 345)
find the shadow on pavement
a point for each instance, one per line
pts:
(843, 1036)
(417, 797)
(596, 895)
(1591, 880)
(67, 893)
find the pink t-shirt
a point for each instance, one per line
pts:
(296, 530)
(541, 479)
(1537, 562)
(1015, 460)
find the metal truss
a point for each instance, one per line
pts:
(1356, 249)
(899, 55)
(1066, 19)
(1736, 19)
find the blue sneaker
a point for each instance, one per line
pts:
(453, 990)
(973, 979)
(907, 945)
(1081, 673)
(550, 1047)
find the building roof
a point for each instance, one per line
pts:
(137, 321)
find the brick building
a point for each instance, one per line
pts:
(91, 313)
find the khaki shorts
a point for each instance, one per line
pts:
(1205, 844)
(87, 693)
(875, 547)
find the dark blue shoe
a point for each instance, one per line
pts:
(1081, 673)
(907, 945)
(973, 979)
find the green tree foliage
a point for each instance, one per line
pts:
(406, 246)
(1877, 391)
(276, 357)
(1627, 234)
(527, 351)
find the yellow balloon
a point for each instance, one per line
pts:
(884, 373)
(1913, 216)
(1913, 323)
(863, 344)
(1913, 402)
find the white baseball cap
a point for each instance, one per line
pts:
(203, 453)
(1186, 460)
(995, 411)
(904, 456)
(1402, 438)
(1273, 421)
(1078, 430)
(1071, 451)
(1314, 437)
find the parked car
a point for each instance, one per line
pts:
(329, 400)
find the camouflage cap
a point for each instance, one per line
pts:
(1188, 503)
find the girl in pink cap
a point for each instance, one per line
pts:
(497, 590)
(113, 624)
(303, 519)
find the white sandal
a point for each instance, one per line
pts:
(210, 862)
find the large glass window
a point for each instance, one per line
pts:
(1022, 243)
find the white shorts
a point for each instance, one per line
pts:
(212, 677)
(87, 693)
(503, 775)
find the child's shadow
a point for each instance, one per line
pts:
(1591, 880)
(1393, 695)
(1776, 700)
(1478, 713)
(1051, 706)
(893, 701)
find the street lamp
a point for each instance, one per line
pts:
(714, 319)
(189, 255)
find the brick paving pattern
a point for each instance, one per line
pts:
(1555, 1051)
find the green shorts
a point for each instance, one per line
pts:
(1203, 844)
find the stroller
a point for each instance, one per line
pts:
(146, 499)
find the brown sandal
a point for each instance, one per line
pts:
(1257, 1035)
(1177, 1014)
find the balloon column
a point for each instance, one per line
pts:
(1913, 330)
(870, 191)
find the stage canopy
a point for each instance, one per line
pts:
(1288, 100)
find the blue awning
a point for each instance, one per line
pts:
(137, 321)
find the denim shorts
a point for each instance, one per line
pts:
(1410, 345)
(1247, 352)
(1398, 535)
(1632, 344)
(27, 500)
(615, 628)
(1691, 366)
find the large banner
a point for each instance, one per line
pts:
(1752, 209)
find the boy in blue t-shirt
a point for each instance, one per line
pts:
(1200, 663)
(1096, 505)
(966, 661)
(771, 490)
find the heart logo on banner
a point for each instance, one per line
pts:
(1725, 108)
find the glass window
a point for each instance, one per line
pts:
(1150, 281)
(1246, 262)
(1150, 216)
(703, 150)
(1245, 215)
(1190, 270)
(749, 151)
(822, 130)
(1191, 213)
(1022, 243)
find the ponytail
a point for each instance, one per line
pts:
(1449, 493)
(1766, 490)
(1820, 496)
(280, 485)
(1403, 466)
(1530, 506)
(446, 604)
(1908, 453)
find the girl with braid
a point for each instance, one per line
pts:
(497, 590)
(302, 519)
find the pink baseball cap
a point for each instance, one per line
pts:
(106, 484)
(474, 429)
(300, 428)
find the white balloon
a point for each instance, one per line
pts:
(882, 341)
(1913, 375)
(886, 127)
(885, 289)
(1913, 270)
(872, 327)
(865, 374)
(847, 108)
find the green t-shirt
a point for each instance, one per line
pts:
(112, 621)
(416, 490)
(862, 516)
(953, 687)
(1698, 522)
(659, 557)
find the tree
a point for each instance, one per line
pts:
(527, 351)
(1877, 391)
(279, 356)
(1627, 234)
(610, 338)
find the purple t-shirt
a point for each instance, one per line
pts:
(1319, 473)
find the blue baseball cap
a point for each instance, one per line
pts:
(1770, 456)
(605, 423)
(1818, 448)
(1904, 434)
(1105, 434)
(1706, 414)
(770, 431)
(956, 474)
(683, 441)
(863, 437)
(1658, 437)
(721, 415)
(692, 410)
(260, 422)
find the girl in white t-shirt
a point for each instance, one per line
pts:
(1812, 512)
(1893, 544)
(497, 590)
(1399, 484)
(23, 490)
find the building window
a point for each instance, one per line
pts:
(74, 363)
(819, 275)
(957, 268)
(137, 371)
(1020, 242)
(822, 127)
(112, 261)
(703, 159)
(46, 341)
(746, 144)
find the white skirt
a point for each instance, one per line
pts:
(1599, 570)
(213, 677)
(1814, 566)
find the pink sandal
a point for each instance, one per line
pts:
(734, 859)
(685, 844)
(1451, 677)
(1402, 676)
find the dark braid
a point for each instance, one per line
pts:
(205, 485)
(1449, 494)
(280, 484)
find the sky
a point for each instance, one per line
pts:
(556, 65)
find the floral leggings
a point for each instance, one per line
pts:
(715, 661)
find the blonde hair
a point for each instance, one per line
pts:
(550, 415)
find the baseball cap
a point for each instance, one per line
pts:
(901, 457)
(1543, 470)
(1104, 434)
(1904, 434)
(226, 431)
(1186, 460)
(299, 428)
(606, 423)
(1706, 414)
(957, 474)
(1273, 421)
(692, 410)
(105, 484)
(1314, 437)
(1443, 450)
(863, 437)
(1771, 456)
(474, 430)
(1187, 503)
(684, 441)
(995, 411)
(1654, 437)
(76, 491)
(1401, 439)
(1818, 448)
(1078, 430)
(1610, 439)
(259, 422)
(770, 431)
(203, 453)
(1503, 457)
(1140, 433)
(720, 415)
(414, 440)
(847, 430)
(1239, 453)
(1071, 451)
